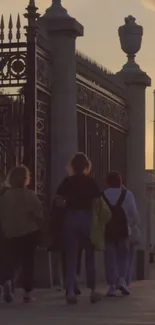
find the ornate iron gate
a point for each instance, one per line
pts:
(102, 129)
(25, 102)
(12, 101)
(11, 131)
(43, 125)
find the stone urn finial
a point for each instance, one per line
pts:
(130, 38)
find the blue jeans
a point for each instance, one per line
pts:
(77, 232)
(116, 261)
(130, 263)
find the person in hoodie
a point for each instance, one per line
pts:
(119, 253)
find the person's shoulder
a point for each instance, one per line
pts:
(90, 179)
(3, 190)
(65, 182)
(67, 179)
(129, 195)
(111, 190)
(30, 193)
(7, 193)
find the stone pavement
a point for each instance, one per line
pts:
(50, 309)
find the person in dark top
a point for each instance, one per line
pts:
(78, 191)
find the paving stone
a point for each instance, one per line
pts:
(51, 309)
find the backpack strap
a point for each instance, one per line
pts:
(107, 201)
(119, 202)
(121, 198)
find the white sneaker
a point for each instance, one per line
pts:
(122, 286)
(112, 291)
(28, 298)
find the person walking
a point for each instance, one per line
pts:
(78, 191)
(9, 286)
(134, 237)
(56, 242)
(20, 220)
(118, 252)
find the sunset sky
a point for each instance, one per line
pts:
(101, 19)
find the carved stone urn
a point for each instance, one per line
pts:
(130, 39)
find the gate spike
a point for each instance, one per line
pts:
(18, 25)
(2, 22)
(18, 22)
(32, 15)
(2, 29)
(10, 22)
(10, 36)
(32, 3)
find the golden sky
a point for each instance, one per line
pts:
(101, 19)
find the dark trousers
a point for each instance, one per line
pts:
(59, 266)
(19, 253)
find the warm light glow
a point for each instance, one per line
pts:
(149, 4)
(101, 20)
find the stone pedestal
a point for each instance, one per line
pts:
(136, 82)
(61, 31)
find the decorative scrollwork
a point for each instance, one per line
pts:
(41, 168)
(11, 130)
(102, 105)
(43, 72)
(12, 67)
(42, 146)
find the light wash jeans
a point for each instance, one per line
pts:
(130, 265)
(116, 261)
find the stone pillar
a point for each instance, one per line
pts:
(136, 82)
(61, 31)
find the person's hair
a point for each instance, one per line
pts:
(19, 177)
(114, 179)
(79, 163)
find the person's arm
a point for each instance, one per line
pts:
(95, 189)
(132, 210)
(61, 190)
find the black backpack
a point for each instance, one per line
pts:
(117, 227)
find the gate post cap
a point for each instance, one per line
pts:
(56, 18)
(56, 10)
(135, 78)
